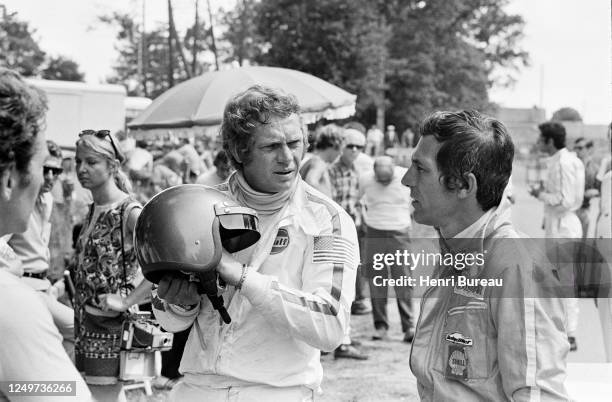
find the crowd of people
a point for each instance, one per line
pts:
(323, 215)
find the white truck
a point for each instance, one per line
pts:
(76, 106)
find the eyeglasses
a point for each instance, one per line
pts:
(56, 171)
(102, 134)
(354, 146)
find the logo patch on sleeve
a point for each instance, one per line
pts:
(281, 242)
(334, 249)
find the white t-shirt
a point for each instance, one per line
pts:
(30, 344)
(387, 207)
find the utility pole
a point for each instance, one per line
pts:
(212, 35)
(194, 46)
(177, 41)
(142, 59)
(170, 51)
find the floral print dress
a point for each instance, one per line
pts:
(99, 269)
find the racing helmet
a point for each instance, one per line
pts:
(183, 228)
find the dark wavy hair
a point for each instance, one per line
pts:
(554, 130)
(22, 112)
(247, 111)
(472, 143)
(330, 136)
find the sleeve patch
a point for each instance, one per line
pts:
(334, 249)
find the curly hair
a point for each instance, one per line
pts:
(248, 110)
(22, 112)
(472, 143)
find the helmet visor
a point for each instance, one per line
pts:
(238, 227)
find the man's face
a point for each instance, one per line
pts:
(275, 155)
(24, 190)
(545, 146)
(581, 150)
(433, 204)
(354, 143)
(383, 170)
(52, 168)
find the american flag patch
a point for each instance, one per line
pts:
(334, 249)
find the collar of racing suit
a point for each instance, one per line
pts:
(478, 235)
(263, 203)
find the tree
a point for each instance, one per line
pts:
(18, 49)
(566, 114)
(241, 33)
(410, 57)
(153, 79)
(62, 68)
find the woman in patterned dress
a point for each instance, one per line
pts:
(107, 278)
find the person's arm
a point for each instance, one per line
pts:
(314, 175)
(567, 187)
(175, 304)
(142, 292)
(532, 342)
(318, 313)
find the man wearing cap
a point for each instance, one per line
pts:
(32, 248)
(289, 294)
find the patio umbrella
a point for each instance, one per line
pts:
(200, 101)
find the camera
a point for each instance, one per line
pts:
(140, 332)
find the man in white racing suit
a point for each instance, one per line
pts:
(492, 327)
(290, 293)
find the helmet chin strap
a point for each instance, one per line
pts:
(210, 284)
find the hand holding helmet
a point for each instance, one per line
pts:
(181, 238)
(178, 290)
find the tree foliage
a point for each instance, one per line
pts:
(566, 114)
(62, 68)
(409, 56)
(18, 48)
(241, 33)
(152, 77)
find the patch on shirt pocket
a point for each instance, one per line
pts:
(464, 348)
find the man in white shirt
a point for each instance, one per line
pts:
(32, 248)
(562, 195)
(30, 347)
(387, 230)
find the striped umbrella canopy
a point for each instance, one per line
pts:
(200, 101)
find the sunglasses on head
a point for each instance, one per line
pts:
(55, 171)
(355, 146)
(101, 134)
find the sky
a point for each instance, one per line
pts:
(569, 42)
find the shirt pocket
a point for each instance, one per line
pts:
(464, 349)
